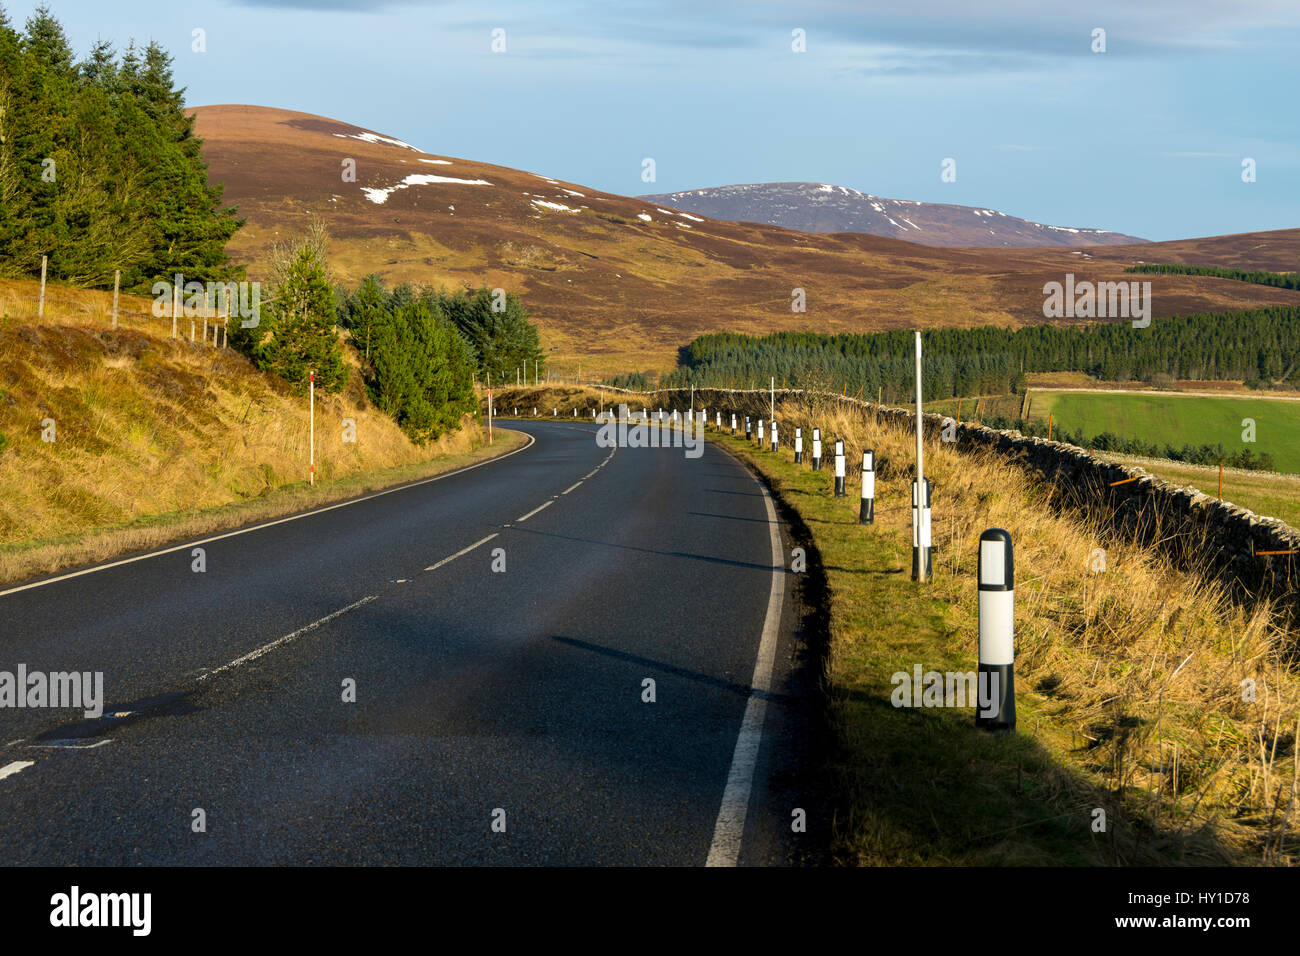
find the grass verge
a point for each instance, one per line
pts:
(1109, 717)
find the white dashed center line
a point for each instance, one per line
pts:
(453, 557)
(534, 511)
(265, 648)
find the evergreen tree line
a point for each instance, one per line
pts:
(99, 166)
(422, 349)
(633, 381)
(1256, 345)
(1282, 280)
(1118, 444)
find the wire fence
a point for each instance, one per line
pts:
(207, 324)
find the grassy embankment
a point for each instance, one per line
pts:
(158, 439)
(1129, 682)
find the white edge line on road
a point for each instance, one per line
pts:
(729, 829)
(534, 511)
(265, 648)
(267, 524)
(572, 486)
(453, 557)
(8, 770)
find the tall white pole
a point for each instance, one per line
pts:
(921, 492)
(773, 415)
(920, 448)
(312, 452)
(489, 380)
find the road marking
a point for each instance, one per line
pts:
(268, 524)
(8, 770)
(572, 486)
(453, 557)
(534, 511)
(729, 829)
(265, 648)
(69, 743)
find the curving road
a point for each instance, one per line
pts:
(483, 699)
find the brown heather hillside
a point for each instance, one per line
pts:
(619, 292)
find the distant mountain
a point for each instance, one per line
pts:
(817, 207)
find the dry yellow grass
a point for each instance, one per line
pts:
(1139, 668)
(146, 426)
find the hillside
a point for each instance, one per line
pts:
(819, 207)
(616, 283)
(151, 434)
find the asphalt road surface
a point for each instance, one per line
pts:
(500, 717)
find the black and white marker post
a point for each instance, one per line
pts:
(733, 424)
(839, 468)
(996, 706)
(774, 445)
(760, 434)
(749, 430)
(798, 446)
(817, 449)
(921, 533)
(867, 510)
(920, 490)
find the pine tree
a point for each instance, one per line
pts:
(99, 166)
(363, 311)
(299, 334)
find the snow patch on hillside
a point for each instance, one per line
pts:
(378, 140)
(558, 207)
(380, 196)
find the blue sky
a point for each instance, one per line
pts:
(1147, 138)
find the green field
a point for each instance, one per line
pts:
(1179, 420)
(1176, 419)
